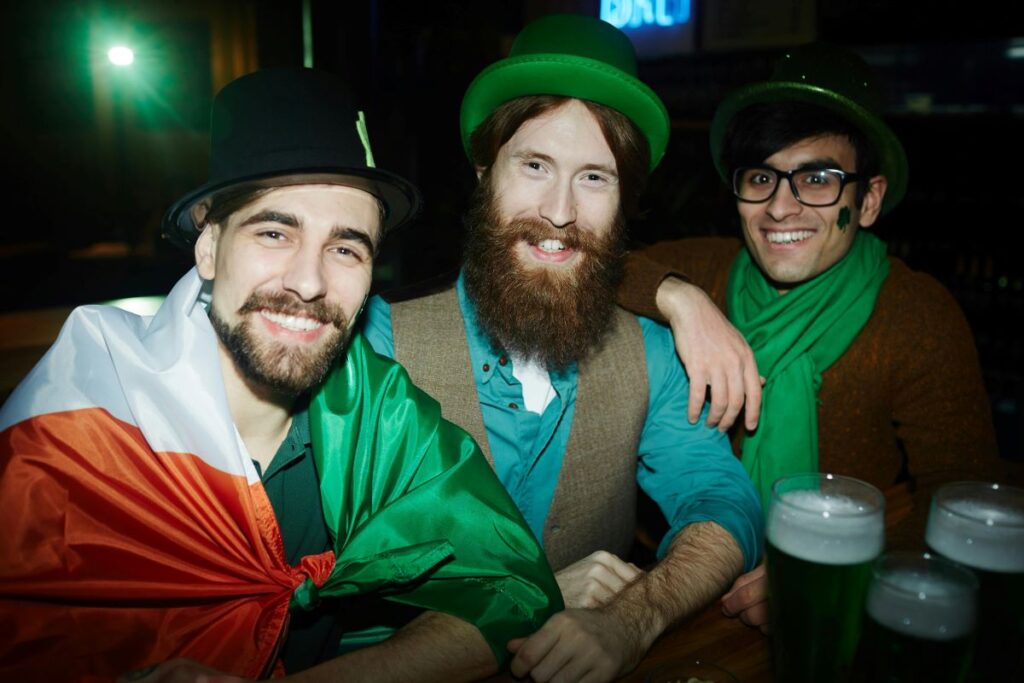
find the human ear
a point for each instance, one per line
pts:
(206, 252)
(871, 207)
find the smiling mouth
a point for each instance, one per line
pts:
(293, 323)
(549, 251)
(788, 236)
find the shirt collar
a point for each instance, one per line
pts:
(296, 443)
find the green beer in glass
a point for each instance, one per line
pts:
(981, 526)
(919, 620)
(824, 531)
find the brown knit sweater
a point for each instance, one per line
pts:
(909, 384)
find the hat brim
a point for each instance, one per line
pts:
(892, 157)
(568, 76)
(400, 198)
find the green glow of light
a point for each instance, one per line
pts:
(121, 55)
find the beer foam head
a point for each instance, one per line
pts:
(825, 528)
(929, 606)
(983, 534)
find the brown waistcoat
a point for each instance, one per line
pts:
(594, 506)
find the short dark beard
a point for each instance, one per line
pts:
(282, 370)
(554, 318)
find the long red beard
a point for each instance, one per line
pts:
(553, 316)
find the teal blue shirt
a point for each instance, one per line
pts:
(688, 470)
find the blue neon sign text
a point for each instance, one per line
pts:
(636, 13)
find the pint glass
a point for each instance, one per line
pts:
(824, 531)
(982, 526)
(919, 620)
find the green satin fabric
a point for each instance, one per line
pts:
(795, 337)
(415, 511)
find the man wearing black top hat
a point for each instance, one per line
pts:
(201, 490)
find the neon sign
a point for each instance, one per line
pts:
(637, 13)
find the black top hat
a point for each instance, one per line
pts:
(289, 126)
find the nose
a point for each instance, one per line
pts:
(558, 206)
(304, 276)
(783, 203)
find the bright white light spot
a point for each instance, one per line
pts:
(119, 55)
(139, 305)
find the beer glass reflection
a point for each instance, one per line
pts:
(919, 620)
(982, 527)
(824, 531)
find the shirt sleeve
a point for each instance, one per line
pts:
(689, 470)
(377, 328)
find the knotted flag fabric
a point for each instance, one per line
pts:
(136, 528)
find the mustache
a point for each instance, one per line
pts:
(286, 304)
(534, 231)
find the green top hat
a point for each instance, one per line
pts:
(829, 77)
(572, 56)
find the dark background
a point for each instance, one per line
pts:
(94, 155)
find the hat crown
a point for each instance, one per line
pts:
(288, 126)
(280, 119)
(833, 69)
(573, 34)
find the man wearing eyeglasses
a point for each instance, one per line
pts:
(870, 367)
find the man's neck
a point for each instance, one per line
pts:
(262, 417)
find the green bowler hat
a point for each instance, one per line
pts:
(572, 56)
(829, 77)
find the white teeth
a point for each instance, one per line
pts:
(292, 322)
(788, 237)
(551, 245)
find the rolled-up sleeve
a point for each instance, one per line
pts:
(689, 470)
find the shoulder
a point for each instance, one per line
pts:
(697, 249)
(917, 320)
(377, 327)
(916, 297)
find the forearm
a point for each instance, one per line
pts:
(701, 563)
(641, 282)
(432, 647)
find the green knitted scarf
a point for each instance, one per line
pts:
(795, 337)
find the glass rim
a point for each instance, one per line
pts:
(942, 566)
(845, 178)
(877, 498)
(944, 494)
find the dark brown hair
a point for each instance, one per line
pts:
(627, 143)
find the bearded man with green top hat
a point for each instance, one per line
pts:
(574, 401)
(870, 368)
(214, 487)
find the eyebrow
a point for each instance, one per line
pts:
(339, 232)
(820, 163)
(271, 216)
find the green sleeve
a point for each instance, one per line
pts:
(415, 511)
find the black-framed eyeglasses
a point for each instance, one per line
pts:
(810, 186)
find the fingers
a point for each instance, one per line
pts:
(757, 616)
(719, 396)
(734, 401)
(748, 598)
(752, 383)
(533, 650)
(596, 579)
(698, 391)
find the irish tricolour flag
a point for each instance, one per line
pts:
(134, 526)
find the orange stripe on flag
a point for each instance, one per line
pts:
(114, 556)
